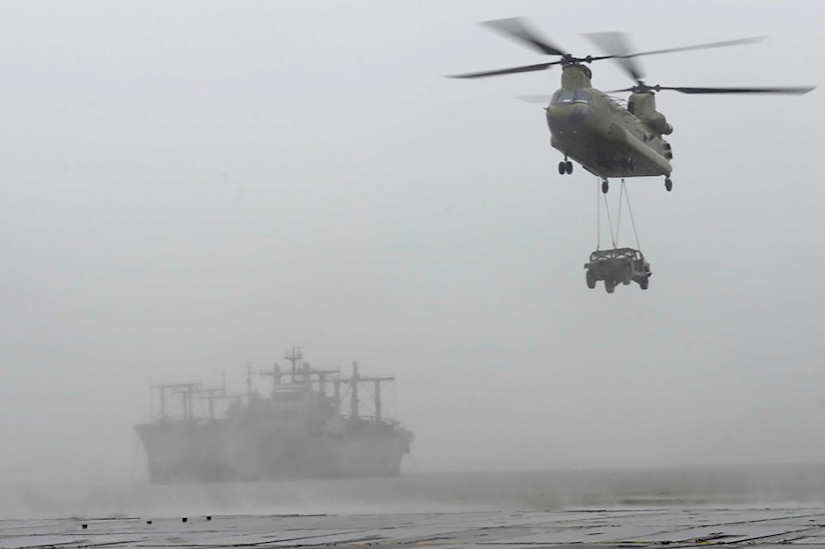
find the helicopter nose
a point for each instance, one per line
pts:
(579, 113)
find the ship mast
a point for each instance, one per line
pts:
(354, 400)
(377, 381)
(183, 389)
(211, 396)
(294, 357)
(276, 376)
(311, 374)
(307, 374)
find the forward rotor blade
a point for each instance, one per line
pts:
(723, 44)
(512, 70)
(769, 90)
(617, 46)
(516, 27)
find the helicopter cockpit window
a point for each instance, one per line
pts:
(564, 97)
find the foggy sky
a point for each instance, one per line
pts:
(190, 186)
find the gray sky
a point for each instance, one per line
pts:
(189, 186)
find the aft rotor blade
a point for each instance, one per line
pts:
(769, 90)
(723, 44)
(518, 28)
(799, 90)
(617, 46)
(512, 70)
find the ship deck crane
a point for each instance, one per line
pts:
(353, 383)
(184, 389)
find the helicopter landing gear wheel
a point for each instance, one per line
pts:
(568, 167)
(668, 184)
(605, 186)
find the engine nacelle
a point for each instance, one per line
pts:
(658, 123)
(643, 105)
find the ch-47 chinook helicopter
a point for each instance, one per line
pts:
(594, 129)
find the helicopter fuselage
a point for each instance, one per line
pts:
(599, 133)
(587, 125)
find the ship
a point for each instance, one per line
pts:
(311, 425)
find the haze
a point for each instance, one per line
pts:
(192, 186)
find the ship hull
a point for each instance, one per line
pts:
(180, 452)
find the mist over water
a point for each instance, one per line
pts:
(428, 493)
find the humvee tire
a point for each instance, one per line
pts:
(590, 277)
(627, 275)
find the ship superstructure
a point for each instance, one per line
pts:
(312, 425)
